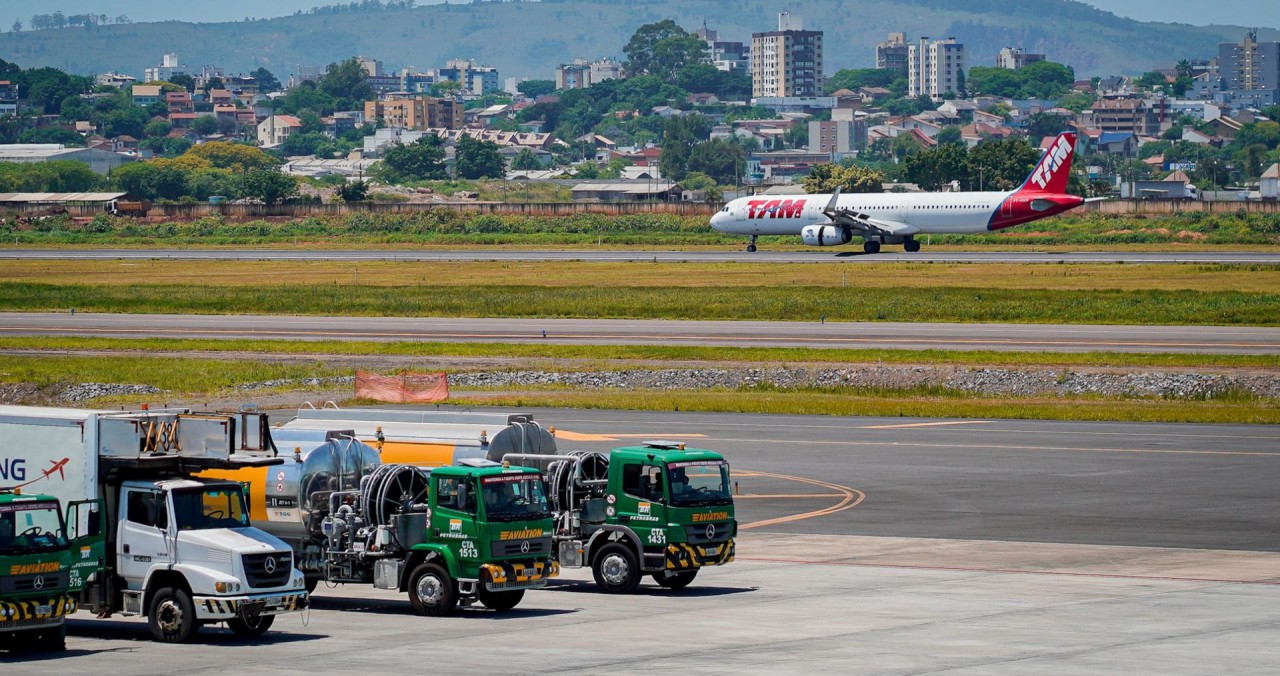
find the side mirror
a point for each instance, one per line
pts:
(95, 522)
(464, 497)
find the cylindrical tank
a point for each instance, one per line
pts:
(290, 500)
(433, 438)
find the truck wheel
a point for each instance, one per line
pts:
(432, 591)
(251, 628)
(312, 583)
(500, 600)
(616, 569)
(675, 580)
(173, 617)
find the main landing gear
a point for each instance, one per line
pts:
(911, 245)
(871, 246)
(751, 246)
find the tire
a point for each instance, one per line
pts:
(500, 600)
(312, 583)
(616, 569)
(871, 246)
(911, 245)
(251, 628)
(675, 580)
(432, 591)
(172, 617)
(751, 248)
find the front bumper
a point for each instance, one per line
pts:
(681, 556)
(36, 613)
(253, 605)
(507, 576)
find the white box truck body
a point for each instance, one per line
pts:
(177, 549)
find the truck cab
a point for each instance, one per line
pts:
(668, 512)
(36, 580)
(187, 556)
(488, 538)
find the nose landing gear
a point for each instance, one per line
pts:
(751, 246)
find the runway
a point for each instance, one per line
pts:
(862, 335)
(736, 255)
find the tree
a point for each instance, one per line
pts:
(157, 129)
(1002, 164)
(346, 83)
(183, 80)
(475, 159)
(825, 178)
(418, 161)
(662, 49)
(679, 135)
(1152, 80)
(932, 169)
(525, 160)
(236, 157)
(855, 78)
(1040, 125)
(16, 27)
(267, 81)
(446, 89)
(353, 191)
(269, 185)
(205, 125)
(719, 159)
(949, 135)
(535, 88)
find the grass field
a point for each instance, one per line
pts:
(1039, 293)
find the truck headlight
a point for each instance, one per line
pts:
(226, 587)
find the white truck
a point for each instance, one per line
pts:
(176, 549)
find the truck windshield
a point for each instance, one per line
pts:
(699, 483)
(31, 527)
(514, 497)
(210, 507)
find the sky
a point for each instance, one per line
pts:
(1238, 12)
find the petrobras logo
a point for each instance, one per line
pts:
(455, 524)
(775, 208)
(1053, 158)
(643, 508)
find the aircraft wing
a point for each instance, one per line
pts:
(863, 222)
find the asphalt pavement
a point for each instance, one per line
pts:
(852, 335)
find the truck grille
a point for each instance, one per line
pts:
(268, 570)
(697, 535)
(537, 547)
(31, 583)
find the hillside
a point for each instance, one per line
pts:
(529, 39)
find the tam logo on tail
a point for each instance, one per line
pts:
(1051, 174)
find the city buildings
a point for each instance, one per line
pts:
(935, 68)
(893, 52)
(724, 54)
(786, 62)
(415, 113)
(580, 74)
(1014, 58)
(169, 66)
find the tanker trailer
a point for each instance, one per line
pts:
(433, 438)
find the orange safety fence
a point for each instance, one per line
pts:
(406, 387)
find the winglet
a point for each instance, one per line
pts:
(835, 197)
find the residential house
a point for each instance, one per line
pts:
(988, 119)
(114, 80)
(1121, 143)
(276, 129)
(179, 102)
(145, 95)
(959, 109)
(220, 97)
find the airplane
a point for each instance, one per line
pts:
(896, 218)
(59, 466)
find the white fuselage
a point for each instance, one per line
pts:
(936, 213)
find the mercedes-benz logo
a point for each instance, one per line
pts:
(270, 564)
(711, 531)
(39, 583)
(524, 547)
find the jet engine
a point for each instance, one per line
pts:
(825, 235)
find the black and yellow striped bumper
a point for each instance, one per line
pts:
(511, 575)
(34, 613)
(681, 555)
(208, 608)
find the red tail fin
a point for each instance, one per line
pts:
(1054, 169)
